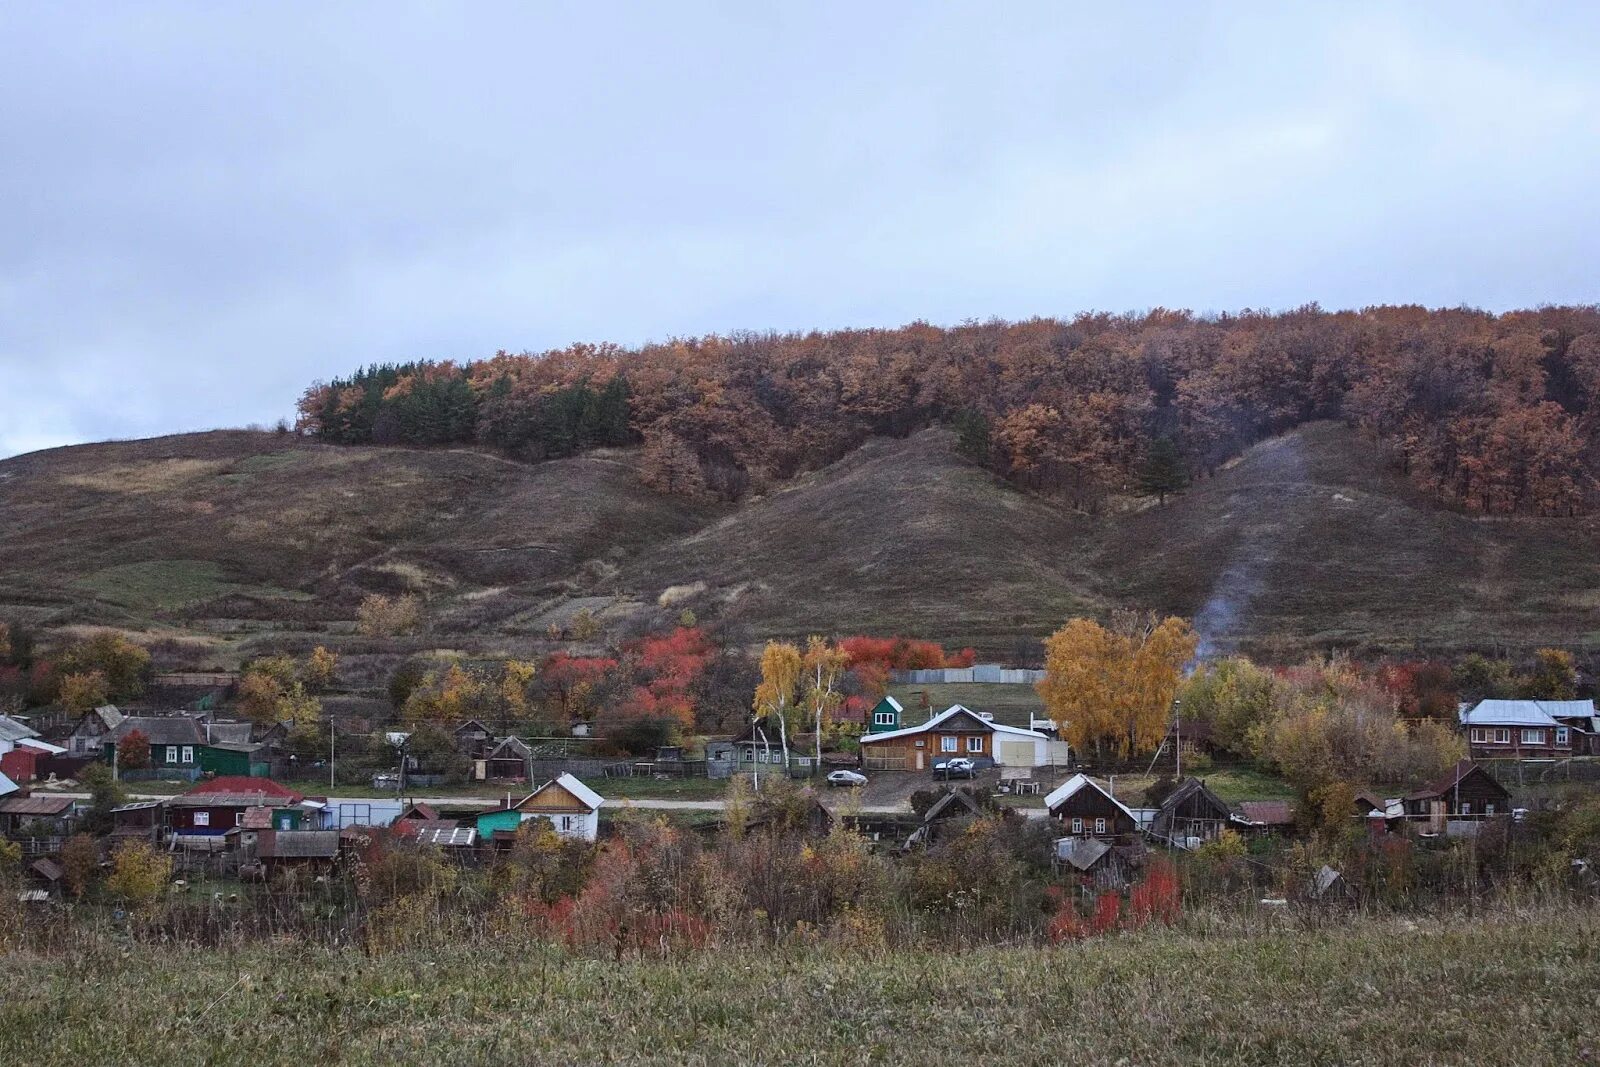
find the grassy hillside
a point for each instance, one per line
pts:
(899, 537)
(233, 540)
(1310, 539)
(1361, 991)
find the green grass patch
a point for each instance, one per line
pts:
(1491, 990)
(164, 584)
(1009, 704)
(658, 788)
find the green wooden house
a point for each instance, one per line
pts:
(886, 716)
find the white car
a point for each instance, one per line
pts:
(960, 767)
(846, 778)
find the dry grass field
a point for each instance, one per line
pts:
(1490, 990)
(248, 540)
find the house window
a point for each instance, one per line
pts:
(884, 718)
(202, 818)
(1502, 737)
(238, 818)
(1077, 826)
(1488, 809)
(1479, 736)
(1466, 807)
(1561, 735)
(1099, 826)
(947, 744)
(172, 753)
(1533, 737)
(188, 753)
(974, 744)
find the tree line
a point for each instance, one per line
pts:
(1492, 412)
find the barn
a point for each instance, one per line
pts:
(956, 731)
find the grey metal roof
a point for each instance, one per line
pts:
(161, 729)
(299, 844)
(230, 800)
(12, 730)
(226, 733)
(1081, 852)
(1527, 712)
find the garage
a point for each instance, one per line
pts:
(1016, 753)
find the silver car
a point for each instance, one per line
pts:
(844, 778)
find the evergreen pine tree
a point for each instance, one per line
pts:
(1163, 470)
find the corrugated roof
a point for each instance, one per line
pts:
(36, 805)
(227, 800)
(12, 730)
(240, 783)
(298, 844)
(447, 837)
(1525, 712)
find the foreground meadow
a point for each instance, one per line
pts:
(1492, 990)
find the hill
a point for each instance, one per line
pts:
(229, 541)
(1310, 539)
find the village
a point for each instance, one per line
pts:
(198, 794)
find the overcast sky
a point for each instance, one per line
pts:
(206, 207)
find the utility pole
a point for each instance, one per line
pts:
(1177, 728)
(330, 755)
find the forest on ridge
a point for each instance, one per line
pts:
(1496, 414)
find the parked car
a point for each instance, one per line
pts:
(960, 767)
(846, 778)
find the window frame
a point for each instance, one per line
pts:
(1099, 826)
(1480, 736)
(1077, 824)
(1563, 735)
(188, 754)
(202, 818)
(1502, 735)
(172, 755)
(950, 743)
(975, 743)
(1533, 735)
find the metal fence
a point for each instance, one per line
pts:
(988, 673)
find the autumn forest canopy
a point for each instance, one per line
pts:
(1495, 413)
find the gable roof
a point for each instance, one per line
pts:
(1188, 788)
(475, 724)
(241, 784)
(987, 725)
(7, 785)
(107, 715)
(1075, 784)
(1526, 712)
(892, 702)
(161, 729)
(957, 798)
(418, 812)
(588, 797)
(227, 733)
(1457, 774)
(518, 749)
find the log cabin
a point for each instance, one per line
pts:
(956, 731)
(1087, 810)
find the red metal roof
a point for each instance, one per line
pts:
(243, 784)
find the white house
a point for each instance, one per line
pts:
(572, 807)
(956, 731)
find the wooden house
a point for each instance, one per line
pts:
(1190, 815)
(175, 743)
(1466, 792)
(268, 852)
(510, 759)
(93, 730)
(39, 823)
(956, 731)
(202, 817)
(1527, 729)
(572, 808)
(951, 808)
(1087, 810)
(471, 737)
